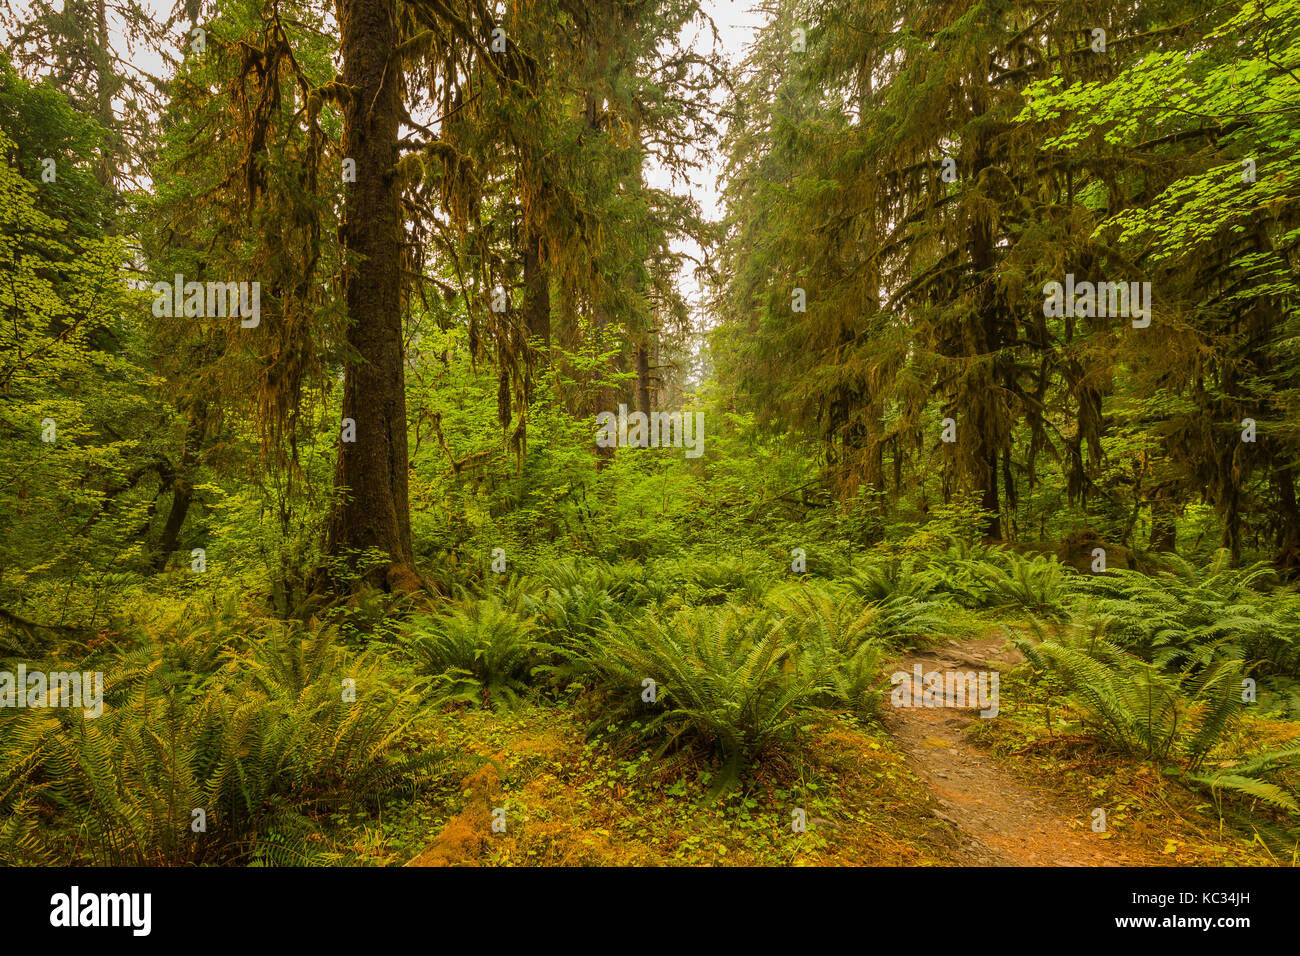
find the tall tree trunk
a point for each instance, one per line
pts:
(1232, 525)
(1164, 518)
(372, 510)
(105, 86)
(604, 398)
(989, 501)
(537, 309)
(104, 92)
(983, 411)
(537, 293)
(643, 377)
(182, 485)
(1288, 532)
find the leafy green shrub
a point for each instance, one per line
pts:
(904, 616)
(837, 638)
(956, 571)
(1272, 778)
(996, 577)
(738, 679)
(892, 577)
(738, 578)
(1137, 707)
(732, 680)
(1191, 615)
(1268, 776)
(906, 622)
(265, 743)
(628, 584)
(576, 614)
(478, 652)
(1038, 582)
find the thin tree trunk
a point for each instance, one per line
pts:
(987, 452)
(1164, 518)
(537, 309)
(182, 487)
(643, 378)
(1288, 534)
(537, 296)
(104, 169)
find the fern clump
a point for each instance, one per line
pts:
(839, 639)
(1135, 706)
(740, 578)
(895, 577)
(576, 614)
(734, 680)
(259, 742)
(478, 651)
(1191, 615)
(723, 678)
(1272, 779)
(998, 578)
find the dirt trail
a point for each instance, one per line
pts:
(1002, 821)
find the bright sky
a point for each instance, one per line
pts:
(736, 22)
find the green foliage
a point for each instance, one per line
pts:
(839, 638)
(256, 732)
(919, 174)
(1266, 780)
(737, 680)
(627, 584)
(1037, 583)
(921, 178)
(1189, 616)
(577, 614)
(1135, 706)
(1252, 777)
(739, 578)
(729, 680)
(893, 577)
(77, 473)
(478, 652)
(905, 621)
(41, 124)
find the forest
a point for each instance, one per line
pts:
(620, 433)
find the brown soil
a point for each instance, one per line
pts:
(1001, 819)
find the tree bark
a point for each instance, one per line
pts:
(372, 510)
(1164, 518)
(643, 377)
(1288, 532)
(182, 486)
(537, 296)
(105, 169)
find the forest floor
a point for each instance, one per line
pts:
(1002, 821)
(922, 787)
